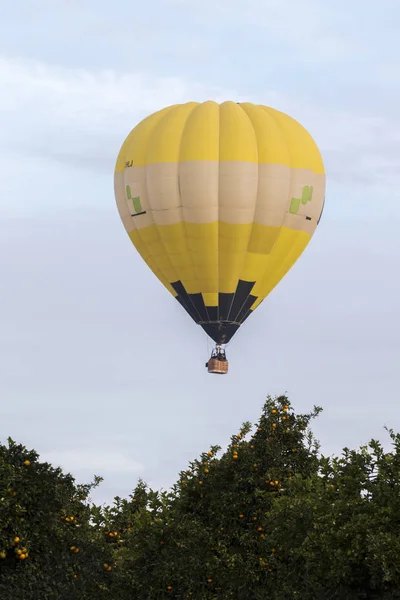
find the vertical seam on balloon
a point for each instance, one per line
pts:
(218, 224)
(233, 297)
(181, 207)
(252, 224)
(290, 251)
(150, 213)
(139, 124)
(148, 195)
(267, 109)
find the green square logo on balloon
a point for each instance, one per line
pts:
(136, 203)
(306, 196)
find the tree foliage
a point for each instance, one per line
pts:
(268, 517)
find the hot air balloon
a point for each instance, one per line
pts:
(220, 200)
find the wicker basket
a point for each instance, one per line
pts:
(220, 367)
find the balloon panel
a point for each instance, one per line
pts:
(220, 201)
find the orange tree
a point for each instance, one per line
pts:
(212, 536)
(48, 545)
(268, 518)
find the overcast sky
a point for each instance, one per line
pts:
(76, 382)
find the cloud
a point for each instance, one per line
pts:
(78, 118)
(93, 98)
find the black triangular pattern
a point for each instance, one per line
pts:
(220, 332)
(245, 308)
(234, 308)
(224, 306)
(184, 299)
(242, 293)
(198, 302)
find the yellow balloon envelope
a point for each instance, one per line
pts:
(220, 200)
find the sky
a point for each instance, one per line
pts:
(83, 380)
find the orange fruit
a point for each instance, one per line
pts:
(209, 453)
(169, 587)
(72, 548)
(27, 463)
(200, 483)
(16, 540)
(274, 425)
(209, 580)
(206, 471)
(240, 516)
